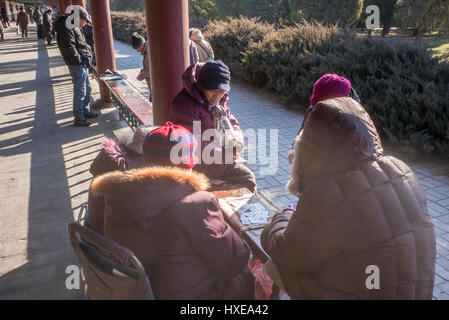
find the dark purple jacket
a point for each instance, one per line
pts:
(177, 230)
(112, 157)
(190, 105)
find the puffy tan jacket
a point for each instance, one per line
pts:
(357, 208)
(177, 230)
(205, 51)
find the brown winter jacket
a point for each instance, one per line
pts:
(22, 20)
(177, 230)
(357, 208)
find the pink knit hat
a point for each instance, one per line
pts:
(330, 86)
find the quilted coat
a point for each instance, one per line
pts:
(359, 211)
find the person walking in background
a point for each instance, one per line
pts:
(5, 19)
(78, 57)
(29, 12)
(1, 33)
(37, 17)
(205, 51)
(47, 22)
(22, 22)
(142, 46)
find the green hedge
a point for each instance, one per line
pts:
(124, 23)
(230, 39)
(403, 87)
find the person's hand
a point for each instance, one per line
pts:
(140, 78)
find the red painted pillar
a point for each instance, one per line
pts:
(62, 5)
(104, 44)
(80, 3)
(167, 25)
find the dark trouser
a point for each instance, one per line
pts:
(1, 35)
(237, 174)
(24, 32)
(48, 33)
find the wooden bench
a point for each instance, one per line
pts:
(133, 108)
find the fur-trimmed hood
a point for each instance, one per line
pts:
(140, 195)
(338, 135)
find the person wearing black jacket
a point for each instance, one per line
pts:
(47, 21)
(89, 35)
(78, 57)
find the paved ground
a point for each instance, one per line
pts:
(44, 164)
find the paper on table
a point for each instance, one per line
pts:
(237, 204)
(259, 217)
(251, 214)
(251, 207)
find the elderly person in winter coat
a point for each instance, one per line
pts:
(175, 227)
(361, 229)
(47, 21)
(203, 100)
(23, 21)
(37, 16)
(205, 51)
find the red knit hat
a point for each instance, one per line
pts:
(158, 144)
(330, 86)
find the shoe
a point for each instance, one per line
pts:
(90, 115)
(81, 123)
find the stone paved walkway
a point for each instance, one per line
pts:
(44, 164)
(44, 168)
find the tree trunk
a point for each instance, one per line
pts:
(418, 34)
(386, 30)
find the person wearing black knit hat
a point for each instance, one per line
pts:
(204, 99)
(141, 45)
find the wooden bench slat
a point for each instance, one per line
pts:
(138, 107)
